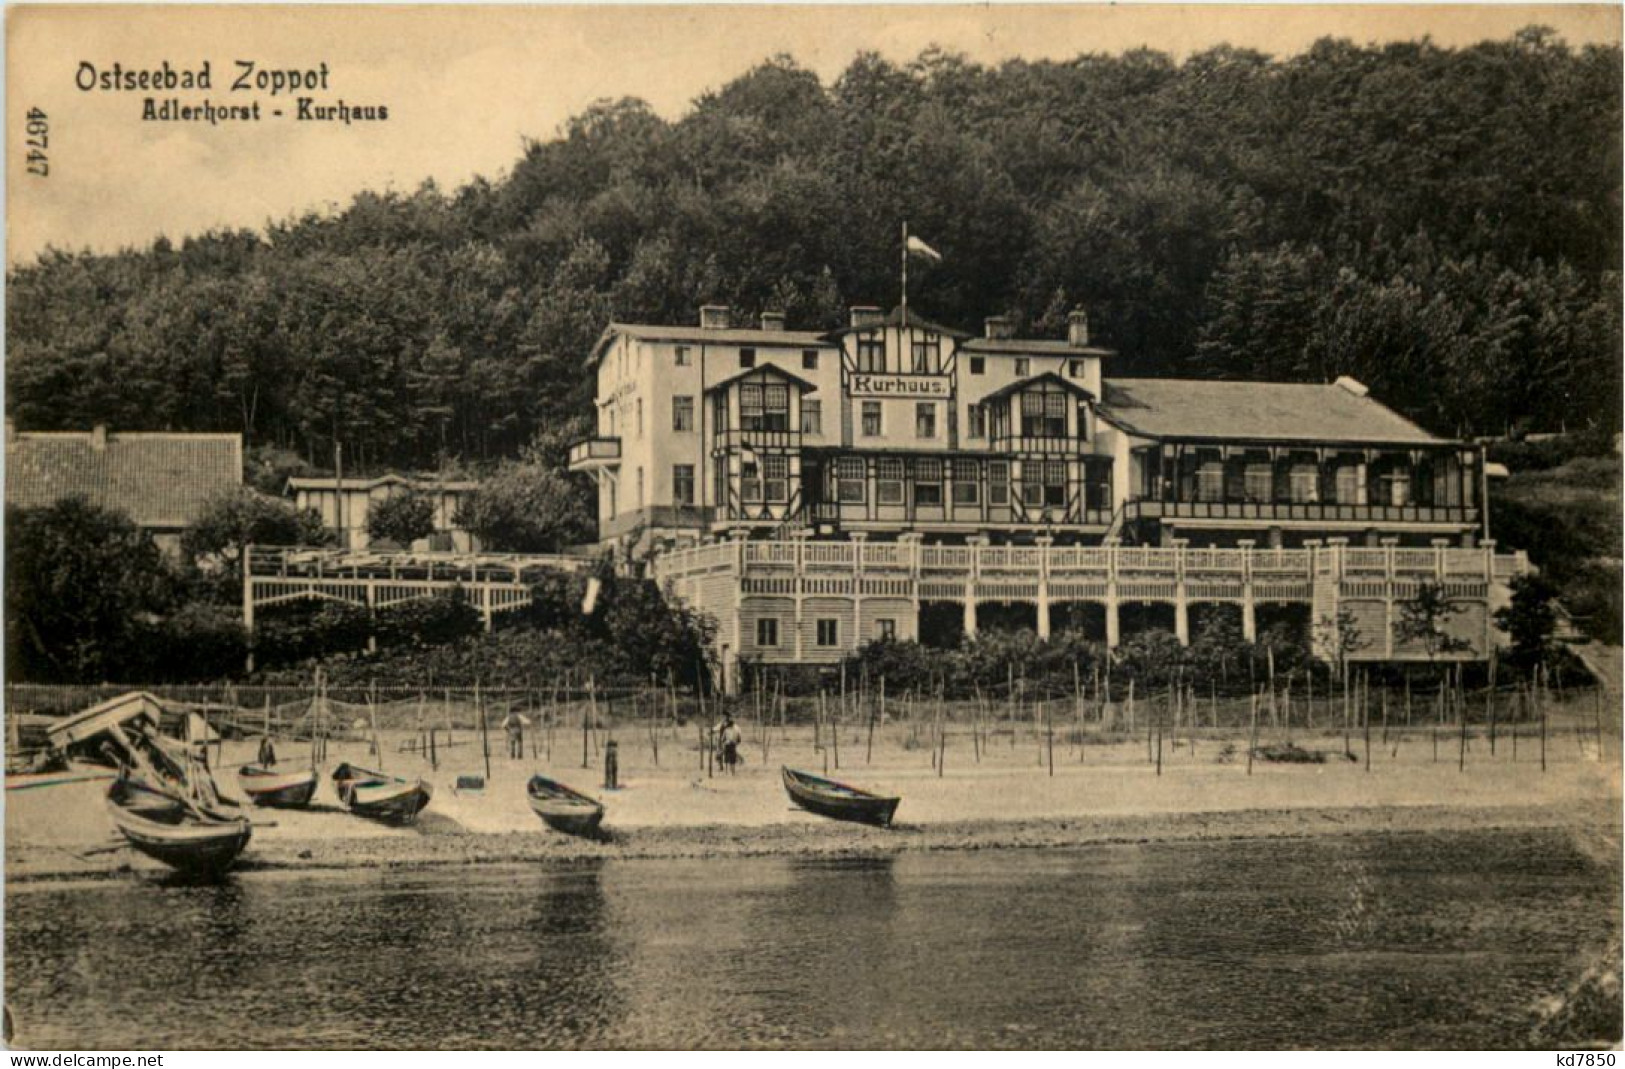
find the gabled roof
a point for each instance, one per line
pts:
(1030, 347)
(764, 369)
(329, 482)
(790, 339)
(896, 319)
(158, 480)
(1045, 378)
(1256, 411)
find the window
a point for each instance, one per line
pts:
(925, 420)
(640, 417)
(1024, 366)
(1076, 368)
(1043, 415)
(682, 413)
(871, 419)
(747, 358)
(1259, 483)
(764, 407)
(886, 630)
(719, 412)
(1396, 488)
(640, 488)
(1210, 481)
(767, 632)
(611, 486)
(684, 357)
(977, 427)
(871, 354)
(682, 484)
(719, 480)
(889, 481)
(928, 481)
(809, 359)
(849, 480)
(1043, 483)
(829, 632)
(966, 489)
(1348, 484)
(776, 477)
(926, 354)
(750, 480)
(812, 416)
(998, 482)
(978, 364)
(1304, 484)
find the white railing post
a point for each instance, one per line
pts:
(1044, 542)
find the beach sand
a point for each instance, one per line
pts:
(1108, 792)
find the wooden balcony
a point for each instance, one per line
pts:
(1258, 512)
(592, 454)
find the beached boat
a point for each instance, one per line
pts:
(367, 793)
(189, 839)
(828, 798)
(564, 808)
(287, 789)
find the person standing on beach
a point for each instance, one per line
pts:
(515, 727)
(267, 753)
(728, 740)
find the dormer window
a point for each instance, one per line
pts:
(1043, 415)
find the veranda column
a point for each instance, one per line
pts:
(1044, 542)
(1113, 624)
(1249, 620)
(976, 544)
(1182, 616)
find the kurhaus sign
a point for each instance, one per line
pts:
(867, 384)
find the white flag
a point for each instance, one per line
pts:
(915, 245)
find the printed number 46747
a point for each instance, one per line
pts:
(39, 139)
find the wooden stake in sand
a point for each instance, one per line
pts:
(589, 713)
(372, 711)
(1252, 728)
(485, 735)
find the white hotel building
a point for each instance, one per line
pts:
(921, 445)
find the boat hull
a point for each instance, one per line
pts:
(191, 844)
(837, 800)
(283, 790)
(563, 808)
(379, 797)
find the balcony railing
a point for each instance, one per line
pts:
(1125, 563)
(1053, 444)
(1314, 511)
(595, 452)
(735, 437)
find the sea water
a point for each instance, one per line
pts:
(1421, 940)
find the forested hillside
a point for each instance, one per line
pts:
(1442, 224)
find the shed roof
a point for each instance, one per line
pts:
(789, 339)
(1256, 411)
(158, 480)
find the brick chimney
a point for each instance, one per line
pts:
(772, 320)
(998, 327)
(714, 316)
(866, 315)
(98, 437)
(1077, 328)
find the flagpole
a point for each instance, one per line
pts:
(905, 274)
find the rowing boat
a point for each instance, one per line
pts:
(287, 790)
(187, 838)
(368, 793)
(564, 808)
(838, 800)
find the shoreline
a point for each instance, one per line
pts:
(1597, 824)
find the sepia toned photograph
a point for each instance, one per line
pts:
(839, 527)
